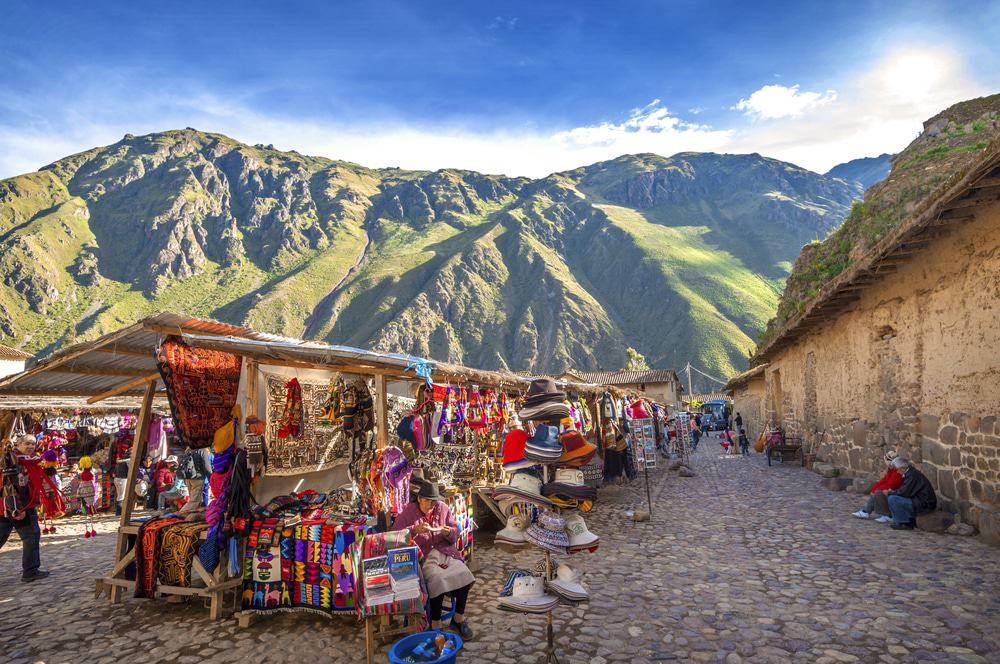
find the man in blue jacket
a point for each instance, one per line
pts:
(915, 496)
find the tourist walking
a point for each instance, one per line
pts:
(20, 497)
(744, 441)
(695, 432)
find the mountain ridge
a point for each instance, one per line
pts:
(681, 257)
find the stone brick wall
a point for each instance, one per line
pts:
(749, 402)
(913, 366)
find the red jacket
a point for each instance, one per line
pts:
(891, 481)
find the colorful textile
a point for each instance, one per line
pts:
(147, 555)
(309, 569)
(290, 423)
(320, 443)
(177, 552)
(202, 386)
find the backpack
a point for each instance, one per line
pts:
(187, 469)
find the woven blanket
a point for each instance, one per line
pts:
(318, 445)
(147, 555)
(309, 570)
(177, 551)
(202, 386)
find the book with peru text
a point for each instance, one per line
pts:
(404, 572)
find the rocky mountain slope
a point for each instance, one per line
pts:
(682, 258)
(866, 170)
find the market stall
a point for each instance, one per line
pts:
(312, 449)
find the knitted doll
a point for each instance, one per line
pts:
(49, 465)
(88, 493)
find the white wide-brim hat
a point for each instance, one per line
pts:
(528, 594)
(567, 585)
(579, 534)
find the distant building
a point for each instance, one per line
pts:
(12, 360)
(660, 385)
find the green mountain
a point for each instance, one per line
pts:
(682, 258)
(866, 170)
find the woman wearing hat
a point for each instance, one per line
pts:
(434, 530)
(879, 501)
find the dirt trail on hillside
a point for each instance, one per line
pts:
(324, 309)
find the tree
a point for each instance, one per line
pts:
(636, 362)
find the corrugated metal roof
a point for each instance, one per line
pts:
(8, 353)
(93, 368)
(628, 377)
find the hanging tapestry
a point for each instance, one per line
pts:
(319, 444)
(202, 386)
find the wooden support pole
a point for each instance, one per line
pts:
(125, 387)
(381, 412)
(251, 369)
(138, 445)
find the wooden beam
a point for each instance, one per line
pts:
(125, 387)
(990, 181)
(381, 412)
(985, 196)
(138, 447)
(100, 371)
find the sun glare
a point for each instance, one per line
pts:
(911, 76)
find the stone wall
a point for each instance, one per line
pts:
(913, 366)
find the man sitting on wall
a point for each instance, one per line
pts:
(878, 502)
(914, 496)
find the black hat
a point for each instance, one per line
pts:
(429, 490)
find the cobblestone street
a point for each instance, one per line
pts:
(743, 563)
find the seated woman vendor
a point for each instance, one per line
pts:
(433, 528)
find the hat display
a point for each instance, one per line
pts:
(523, 487)
(576, 448)
(528, 594)
(568, 488)
(567, 586)
(508, 586)
(513, 451)
(548, 532)
(580, 537)
(544, 446)
(513, 533)
(544, 401)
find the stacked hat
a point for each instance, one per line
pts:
(544, 446)
(508, 586)
(528, 594)
(513, 534)
(544, 401)
(577, 450)
(523, 488)
(548, 532)
(513, 451)
(567, 586)
(568, 488)
(580, 537)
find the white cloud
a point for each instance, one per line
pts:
(878, 109)
(781, 101)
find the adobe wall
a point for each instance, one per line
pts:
(749, 402)
(913, 366)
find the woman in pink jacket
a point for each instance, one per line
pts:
(433, 528)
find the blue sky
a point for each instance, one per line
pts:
(515, 87)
